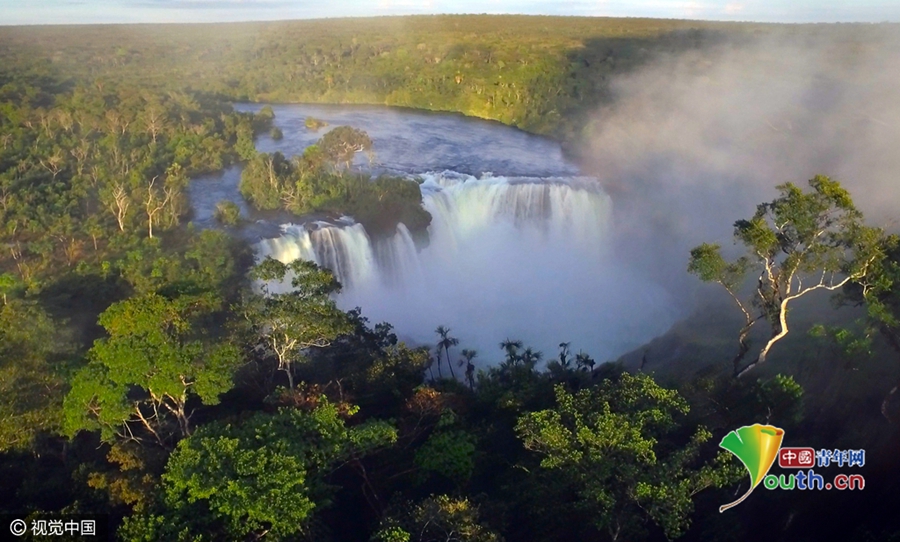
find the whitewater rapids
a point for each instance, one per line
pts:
(508, 257)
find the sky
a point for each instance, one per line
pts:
(15, 12)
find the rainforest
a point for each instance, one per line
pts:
(456, 277)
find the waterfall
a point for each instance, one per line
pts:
(346, 250)
(524, 258)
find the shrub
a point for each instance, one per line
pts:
(228, 213)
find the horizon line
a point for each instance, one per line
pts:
(450, 14)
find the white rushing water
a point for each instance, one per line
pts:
(520, 258)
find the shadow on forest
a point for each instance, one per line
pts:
(78, 299)
(593, 66)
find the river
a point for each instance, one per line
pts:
(520, 243)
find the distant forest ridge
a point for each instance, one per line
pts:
(541, 74)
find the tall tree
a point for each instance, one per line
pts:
(440, 361)
(140, 377)
(445, 342)
(879, 289)
(342, 143)
(796, 244)
(260, 477)
(117, 201)
(467, 357)
(163, 198)
(610, 444)
(564, 355)
(511, 347)
(584, 361)
(286, 324)
(531, 357)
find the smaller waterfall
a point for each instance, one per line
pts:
(348, 251)
(397, 257)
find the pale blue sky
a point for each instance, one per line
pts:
(142, 11)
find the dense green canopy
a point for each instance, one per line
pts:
(155, 374)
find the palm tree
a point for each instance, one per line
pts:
(467, 356)
(584, 361)
(431, 365)
(512, 350)
(438, 357)
(530, 357)
(564, 355)
(446, 342)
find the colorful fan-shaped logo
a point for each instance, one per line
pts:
(757, 447)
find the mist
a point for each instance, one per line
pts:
(690, 143)
(526, 259)
(693, 142)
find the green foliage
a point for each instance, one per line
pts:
(392, 534)
(319, 181)
(209, 262)
(436, 518)
(9, 284)
(542, 74)
(213, 262)
(263, 180)
(709, 266)
(515, 386)
(154, 346)
(96, 149)
(286, 325)
(807, 226)
(781, 397)
(91, 166)
(880, 290)
(608, 443)
(394, 372)
(266, 115)
(382, 203)
(228, 213)
(341, 144)
(728, 402)
(313, 123)
(798, 243)
(131, 476)
(32, 374)
(449, 453)
(845, 340)
(379, 372)
(244, 146)
(222, 478)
